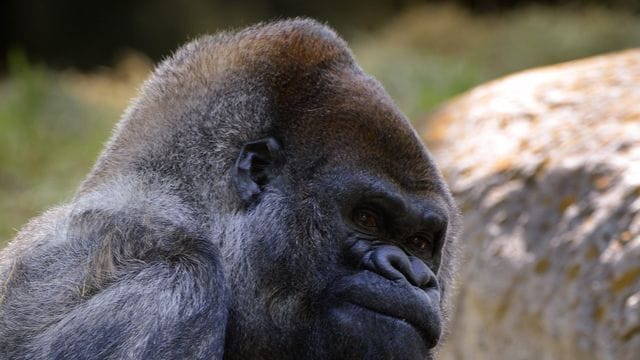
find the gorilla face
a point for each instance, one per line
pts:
(345, 249)
(381, 299)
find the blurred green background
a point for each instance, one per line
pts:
(68, 68)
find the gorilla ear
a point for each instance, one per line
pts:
(256, 167)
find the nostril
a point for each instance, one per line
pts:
(391, 263)
(423, 277)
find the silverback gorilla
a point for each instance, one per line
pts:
(263, 198)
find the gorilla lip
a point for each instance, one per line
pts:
(430, 341)
(407, 303)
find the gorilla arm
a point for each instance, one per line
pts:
(152, 294)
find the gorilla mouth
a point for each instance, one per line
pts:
(400, 302)
(430, 341)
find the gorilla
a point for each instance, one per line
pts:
(262, 198)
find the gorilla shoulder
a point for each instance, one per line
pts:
(263, 198)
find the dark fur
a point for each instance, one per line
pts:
(160, 256)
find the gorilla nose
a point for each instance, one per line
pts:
(394, 264)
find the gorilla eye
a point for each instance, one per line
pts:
(366, 220)
(421, 241)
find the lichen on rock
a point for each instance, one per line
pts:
(545, 165)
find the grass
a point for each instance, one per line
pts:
(52, 125)
(431, 53)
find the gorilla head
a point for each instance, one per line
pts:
(330, 215)
(330, 221)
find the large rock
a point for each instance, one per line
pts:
(545, 165)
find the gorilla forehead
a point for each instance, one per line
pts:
(351, 120)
